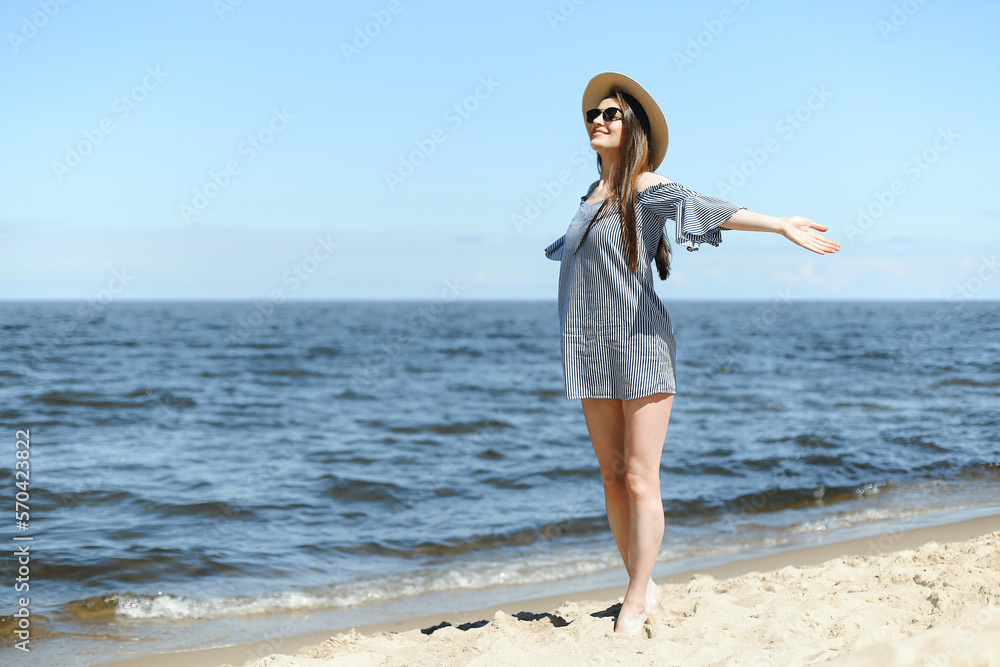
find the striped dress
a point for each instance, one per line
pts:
(617, 339)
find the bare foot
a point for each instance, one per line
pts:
(653, 596)
(630, 620)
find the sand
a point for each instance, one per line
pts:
(933, 600)
(937, 605)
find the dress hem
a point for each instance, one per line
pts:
(627, 398)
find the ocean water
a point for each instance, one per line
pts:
(200, 471)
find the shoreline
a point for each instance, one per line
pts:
(897, 537)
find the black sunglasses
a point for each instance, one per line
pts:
(609, 114)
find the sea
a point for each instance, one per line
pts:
(210, 473)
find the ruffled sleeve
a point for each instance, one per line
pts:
(555, 249)
(697, 217)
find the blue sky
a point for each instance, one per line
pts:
(217, 150)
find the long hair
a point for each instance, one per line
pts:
(633, 159)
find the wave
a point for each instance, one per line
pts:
(362, 490)
(350, 395)
(139, 565)
(211, 509)
(322, 351)
(535, 567)
(532, 563)
(453, 428)
(803, 440)
(89, 399)
(86, 399)
(112, 607)
(917, 441)
(41, 628)
(688, 511)
(472, 352)
(289, 372)
(965, 382)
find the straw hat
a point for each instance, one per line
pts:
(601, 85)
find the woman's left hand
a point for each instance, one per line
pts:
(799, 231)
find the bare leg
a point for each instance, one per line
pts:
(628, 436)
(646, 421)
(606, 423)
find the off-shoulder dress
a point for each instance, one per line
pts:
(617, 338)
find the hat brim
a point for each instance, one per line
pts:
(601, 85)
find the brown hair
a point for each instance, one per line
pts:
(633, 159)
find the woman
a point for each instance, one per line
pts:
(618, 347)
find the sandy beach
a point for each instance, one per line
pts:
(926, 596)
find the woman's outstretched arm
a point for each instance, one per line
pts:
(795, 228)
